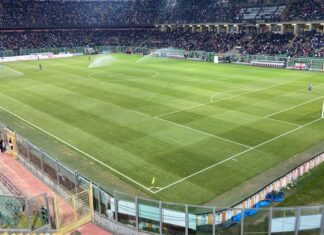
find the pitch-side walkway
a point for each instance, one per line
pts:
(31, 186)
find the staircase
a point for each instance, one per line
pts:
(285, 13)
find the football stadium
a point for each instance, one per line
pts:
(162, 117)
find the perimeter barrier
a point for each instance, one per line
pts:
(301, 63)
(123, 213)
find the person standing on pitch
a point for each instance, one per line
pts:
(310, 87)
(40, 67)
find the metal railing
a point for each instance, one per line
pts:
(147, 215)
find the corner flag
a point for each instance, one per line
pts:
(153, 181)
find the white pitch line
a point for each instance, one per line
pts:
(236, 155)
(211, 102)
(203, 132)
(13, 70)
(156, 74)
(295, 106)
(32, 87)
(225, 92)
(90, 79)
(77, 149)
(281, 121)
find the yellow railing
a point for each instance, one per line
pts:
(74, 211)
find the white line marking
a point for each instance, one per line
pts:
(77, 149)
(295, 106)
(36, 86)
(323, 110)
(152, 188)
(156, 74)
(281, 121)
(13, 70)
(236, 155)
(81, 81)
(203, 132)
(220, 93)
(199, 105)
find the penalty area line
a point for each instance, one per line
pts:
(205, 133)
(295, 106)
(223, 99)
(236, 155)
(77, 149)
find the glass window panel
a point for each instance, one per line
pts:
(149, 215)
(173, 218)
(126, 209)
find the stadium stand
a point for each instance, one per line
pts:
(195, 11)
(67, 38)
(306, 10)
(42, 14)
(268, 13)
(192, 25)
(267, 43)
(54, 14)
(307, 44)
(47, 24)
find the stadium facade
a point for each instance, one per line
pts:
(281, 34)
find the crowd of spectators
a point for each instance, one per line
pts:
(301, 10)
(197, 11)
(33, 13)
(94, 14)
(68, 38)
(307, 44)
(267, 43)
(37, 13)
(207, 41)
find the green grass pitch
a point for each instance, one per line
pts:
(200, 129)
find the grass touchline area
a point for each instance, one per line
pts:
(233, 157)
(123, 123)
(77, 149)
